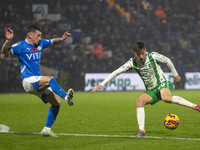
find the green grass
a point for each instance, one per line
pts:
(101, 113)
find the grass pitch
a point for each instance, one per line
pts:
(95, 115)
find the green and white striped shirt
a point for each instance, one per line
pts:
(150, 71)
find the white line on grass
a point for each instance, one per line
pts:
(113, 136)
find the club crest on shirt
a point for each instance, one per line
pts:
(39, 48)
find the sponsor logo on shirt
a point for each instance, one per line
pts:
(34, 56)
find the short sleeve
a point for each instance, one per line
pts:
(128, 65)
(45, 43)
(16, 48)
(159, 57)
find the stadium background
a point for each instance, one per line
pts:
(111, 26)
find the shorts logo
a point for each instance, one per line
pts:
(163, 84)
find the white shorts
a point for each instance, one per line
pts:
(31, 85)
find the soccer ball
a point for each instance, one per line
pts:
(171, 121)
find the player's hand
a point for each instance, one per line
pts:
(9, 33)
(177, 79)
(97, 88)
(65, 35)
(2, 56)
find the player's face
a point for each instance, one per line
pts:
(35, 37)
(141, 56)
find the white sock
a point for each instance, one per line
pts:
(66, 98)
(140, 117)
(182, 101)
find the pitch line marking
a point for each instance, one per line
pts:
(5, 129)
(111, 136)
(129, 136)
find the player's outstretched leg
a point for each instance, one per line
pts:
(56, 88)
(69, 97)
(59, 91)
(181, 101)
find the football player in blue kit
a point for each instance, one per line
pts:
(29, 54)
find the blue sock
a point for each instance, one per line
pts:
(51, 118)
(56, 88)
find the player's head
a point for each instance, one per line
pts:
(139, 50)
(34, 34)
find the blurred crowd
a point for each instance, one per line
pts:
(102, 36)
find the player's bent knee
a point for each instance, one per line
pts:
(167, 99)
(140, 103)
(51, 77)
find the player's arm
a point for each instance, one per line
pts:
(6, 46)
(58, 40)
(114, 74)
(170, 65)
(109, 78)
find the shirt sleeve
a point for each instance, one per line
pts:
(127, 66)
(163, 59)
(16, 48)
(46, 43)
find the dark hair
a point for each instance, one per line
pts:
(33, 28)
(139, 46)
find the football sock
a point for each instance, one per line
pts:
(182, 101)
(140, 117)
(56, 88)
(51, 118)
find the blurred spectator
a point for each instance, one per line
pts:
(160, 12)
(98, 50)
(146, 5)
(170, 27)
(9, 14)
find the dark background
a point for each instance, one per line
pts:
(94, 22)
